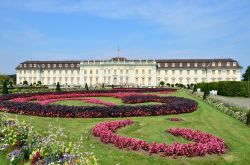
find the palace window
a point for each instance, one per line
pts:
(213, 63)
(90, 71)
(149, 71)
(127, 71)
(213, 72)
(234, 72)
(219, 72)
(228, 63)
(96, 71)
(136, 71)
(234, 63)
(195, 64)
(143, 71)
(219, 63)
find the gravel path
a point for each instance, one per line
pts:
(238, 101)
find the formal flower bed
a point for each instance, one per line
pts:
(31, 96)
(203, 143)
(21, 143)
(172, 105)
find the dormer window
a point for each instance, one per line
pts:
(72, 65)
(234, 63)
(20, 65)
(219, 63)
(24, 65)
(34, 65)
(228, 63)
(43, 66)
(48, 65)
(159, 65)
(60, 65)
(213, 63)
(30, 65)
(173, 64)
(78, 65)
(180, 65)
(166, 64)
(54, 65)
(203, 64)
(195, 64)
(188, 64)
(66, 65)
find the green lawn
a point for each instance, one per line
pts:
(117, 101)
(206, 118)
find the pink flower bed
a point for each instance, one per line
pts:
(203, 144)
(88, 100)
(73, 95)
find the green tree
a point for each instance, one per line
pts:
(103, 85)
(86, 87)
(58, 88)
(246, 75)
(195, 88)
(5, 88)
(11, 84)
(25, 82)
(206, 91)
(112, 86)
(39, 82)
(162, 83)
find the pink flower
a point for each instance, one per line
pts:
(204, 143)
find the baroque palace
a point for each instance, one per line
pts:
(121, 71)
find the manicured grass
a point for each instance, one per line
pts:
(206, 119)
(75, 103)
(117, 101)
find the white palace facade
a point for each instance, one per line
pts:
(124, 72)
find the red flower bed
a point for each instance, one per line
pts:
(203, 144)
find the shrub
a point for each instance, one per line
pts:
(58, 88)
(227, 88)
(5, 88)
(162, 83)
(86, 87)
(195, 88)
(25, 82)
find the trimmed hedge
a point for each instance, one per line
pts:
(227, 88)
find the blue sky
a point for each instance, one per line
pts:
(148, 29)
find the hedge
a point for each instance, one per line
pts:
(228, 88)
